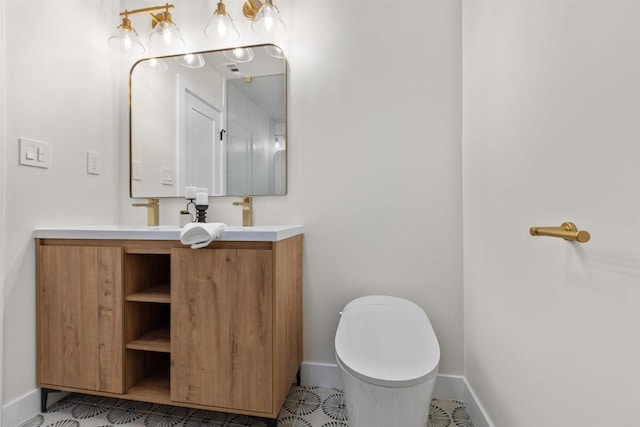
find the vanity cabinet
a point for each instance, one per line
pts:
(80, 317)
(217, 328)
(223, 344)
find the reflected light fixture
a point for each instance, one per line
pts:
(274, 51)
(191, 60)
(165, 32)
(239, 54)
(221, 25)
(156, 64)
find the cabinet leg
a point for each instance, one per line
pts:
(298, 377)
(271, 422)
(44, 394)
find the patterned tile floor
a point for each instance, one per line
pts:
(305, 406)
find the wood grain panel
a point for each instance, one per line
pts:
(141, 367)
(80, 319)
(287, 260)
(143, 272)
(157, 294)
(221, 328)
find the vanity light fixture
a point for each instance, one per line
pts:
(126, 38)
(221, 25)
(165, 32)
(265, 16)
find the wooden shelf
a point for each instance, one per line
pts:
(155, 340)
(153, 388)
(157, 294)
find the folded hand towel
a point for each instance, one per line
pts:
(200, 234)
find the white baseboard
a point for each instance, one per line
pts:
(25, 407)
(475, 409)
(20, 410)
(325, 375)
(448, 387)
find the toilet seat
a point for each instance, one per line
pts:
(387, 341)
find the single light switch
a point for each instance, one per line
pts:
(94, 163)
(166, 176)
(42, 155)
(30, 153)
(136, 170)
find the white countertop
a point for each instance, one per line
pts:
(257, 233)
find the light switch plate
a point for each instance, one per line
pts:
(94, 163)
(166, 176)
(136, 170)
(34, 153)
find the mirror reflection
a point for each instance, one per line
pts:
(210, 119)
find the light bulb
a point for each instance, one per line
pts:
(126, 42)
(268, 24)
(166, 36)
(222, 29)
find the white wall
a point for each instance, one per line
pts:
(374, 169)
(551, 107)
(3, 180)
(373, 152)
(551, 130)
(61, 86)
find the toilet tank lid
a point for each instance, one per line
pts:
(387, 341)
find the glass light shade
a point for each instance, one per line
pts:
(268, 22)
(239, 54)
(274, 51)
(166, 34)
(156, 64)
(221, 27)
(191, 60)
(126, 40)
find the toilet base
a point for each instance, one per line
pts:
(374, 405)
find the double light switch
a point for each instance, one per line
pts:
(34, 153)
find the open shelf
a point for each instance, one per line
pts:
(152, 388)
(148, 376)
(154, 340)
(157, 294)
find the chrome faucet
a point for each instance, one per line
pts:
(153, 210)
(247, 211)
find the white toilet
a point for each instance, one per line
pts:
(388, 356)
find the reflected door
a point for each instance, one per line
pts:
(204, 162)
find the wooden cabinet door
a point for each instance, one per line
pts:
(221, 328)
(80, 317)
